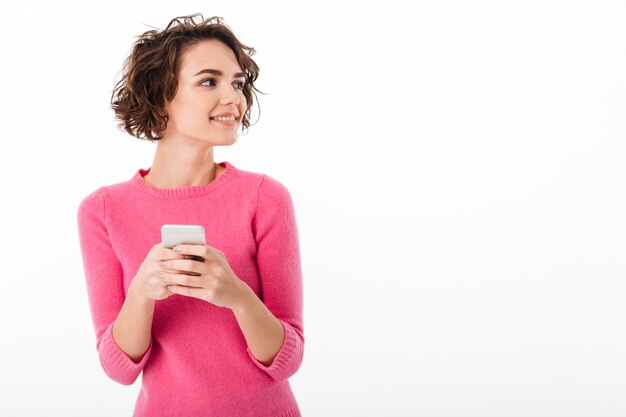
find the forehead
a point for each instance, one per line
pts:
(209, 54)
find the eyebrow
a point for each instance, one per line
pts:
(218, 72)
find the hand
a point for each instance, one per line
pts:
(204, 274)
(147, 283)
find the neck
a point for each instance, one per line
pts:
(182, 162)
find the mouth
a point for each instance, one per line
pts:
(228, 122)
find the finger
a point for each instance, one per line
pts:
(185, 265)
(208, 253)
(168, 253)
(181, 279)
(194, 257)
(188, 291)
(197, 259)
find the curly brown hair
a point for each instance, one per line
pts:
(150, 73)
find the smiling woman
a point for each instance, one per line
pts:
(155, 70)
(214, 329)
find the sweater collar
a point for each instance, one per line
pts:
(182, 192)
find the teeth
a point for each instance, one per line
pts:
(231, 118)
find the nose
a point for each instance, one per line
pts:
(229, 95)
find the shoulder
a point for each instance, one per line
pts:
(92, 202)
(274, 187)
(90, 210)
(273, 195)
(265, 184)
(99, 194)
(95, 200)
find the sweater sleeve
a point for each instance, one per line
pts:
(280, 273)
(105, 289)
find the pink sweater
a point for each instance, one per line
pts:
(198, 362)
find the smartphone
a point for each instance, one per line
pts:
(173, 234)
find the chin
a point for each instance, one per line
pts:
(223, 141)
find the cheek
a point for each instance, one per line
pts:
(193, 100)
(195, 110)
(243, 104)
(190, 118)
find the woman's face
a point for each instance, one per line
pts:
(204, 94)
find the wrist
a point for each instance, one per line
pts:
(136, 297)
(244, 299)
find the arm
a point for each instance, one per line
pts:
(263, 332)
(105, 289)
(132, 330)
(277, 351)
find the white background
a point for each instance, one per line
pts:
(457, 170)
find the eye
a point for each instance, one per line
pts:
(205, 80)
(240, 83)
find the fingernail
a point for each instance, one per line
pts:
(161, 263)
(177, 248)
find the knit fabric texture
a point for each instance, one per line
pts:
(198, 362)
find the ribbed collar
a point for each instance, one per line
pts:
(182, 192)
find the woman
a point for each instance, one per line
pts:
(217, 329)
